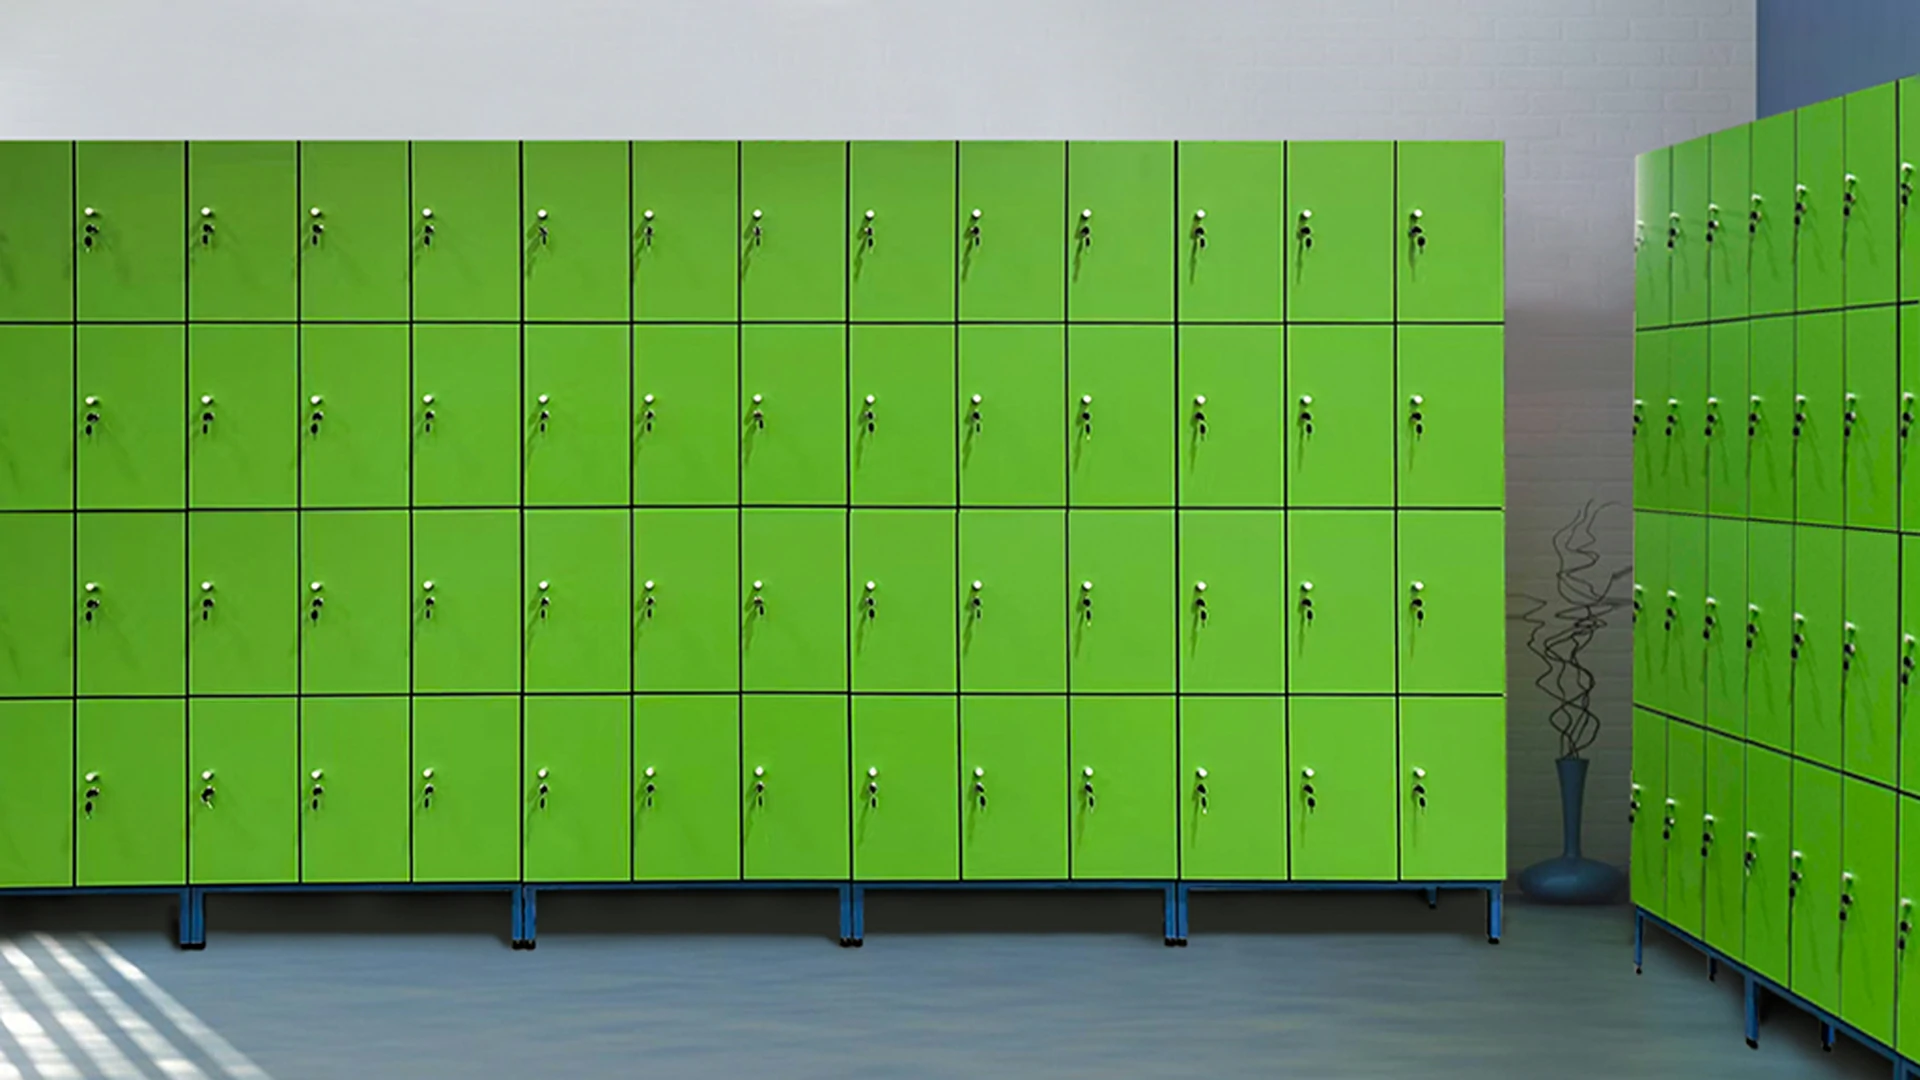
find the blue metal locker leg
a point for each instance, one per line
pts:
(1713, 968)
(1753, 1014)
(1174, 900)
(524, 906)
(1184, 900)
(1495, 916)
(193, 918)
(1433, 897)
(1639, 937)
(853, 915)
(1826, 1036)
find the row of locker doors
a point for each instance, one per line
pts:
(444, 601)
(607, 231)
(357, 416)
(766, 787)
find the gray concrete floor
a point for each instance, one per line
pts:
(963, 985)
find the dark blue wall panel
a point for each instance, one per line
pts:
(1812, 50)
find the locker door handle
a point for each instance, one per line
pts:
(868, 416)
(92, 417)
(1639, 235)
(90, 230)
(1848, 195)
(1753, 415)
(426, 789)
(648, 790)
(1673, 414)
(1415, 231)
(1673, 608)
(1850, 415)
(206, 226)
(975, 606)
(1306, 600)
(1086, 785)
(760, 785)
(648, 415)
(758, 601)
(1303, 228)
(1305, 415)
(314, 414)
(869, 604)
(973, 227)
(1085, 233)
(1200, 787)
(1199, 231)
(540, 229)
(1753, 624)
(543, 790)
(91, 600)
(1799, 204)
(973, 416)
(1751, 856)
(1306, 788)
(1667, 823)
(1420, 786)
(1906, 924)
(866, 229)
(1673, 229)
(873, 786)
(316, 602)
(318, 790)
(1799, 414)
(428, 413)
(757, 418)
(646, 229)
(1200, 601)
(1753, 212)
(545, 413)
(1906, 414)
(207, 792)
(1639, 415)
(1711, 422)
(1633, 803)
(1417, 414)
(317, 227)
(1799, 635)
(206, 414)
(92, 793)
(1907, 643)
(646, 605)
(426, 227)
(1713, 220)
(1200, 415)
(1906, 183)
(1706, 834)
(1709, 618)
(1847, 647)
(206, 600)
(1086, 416)
(546, 598)
(1415, 602)
(1086, 601)
(754, 230)
(428, 600)
(980, 785)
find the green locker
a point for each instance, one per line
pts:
(1813, 891)
(1770, 426)
(1340, 391)
(1453, 789)
(1906, 966)
(1122, 194)
(1722, 824)
(1687, 230)
(1686, 446)
(1013, 765)
(1770, 216)
(574, 202)
(243, 241)
(1654, 239)
(576, 428)
(1123, 755)
(1119, 566)
(1729, 243)
(1233, 801)
(466, 407)
(130, 821)
(1685, 806)
(1869, 650)
(354, 602)
(1868, 420)
(1819, 227)
(1341, 600)
(793, 421)
(1233, 627)
(466, 766)
(132, 636)
(36, 823)
(1452, 213)
(1119, 380)
(1723, 626)
(1647, 813)
(132, 430)
(1767, 853)
(686, 388)
(1013, 600)
(1818, 420)
(243, 446)
(901, 232)
(1342, 789)
(1341, 232)
(36, 252)
(1909, 411)
(1909, 657)
(899, 586)
(1228, 264)
(466, 605)
(36, 394)
(353, 416)
(1231, 443)
(1727, 443)
(1451, 430)
(1769, 634)
(1013, 443)
(1013, 267)
(901, 420)
(1815, 644)
(577, 600)
(354, 789)
(1453, 604)
(243, 602)
(36, 580)
(793, 204)
(243, 791)
(904, 790)
(466, 231)
(575, 789)
(1869, 208)
(1869, 887)
(794, 798)
(353, 227)
(1652, 436)
(129, 198)
(1682, 655)
(686, 759)
(793, 600)
(1650, 608)
(686, 606)
(686, 202)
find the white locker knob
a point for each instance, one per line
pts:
(759, 770)
(869, 215)
(647, 586)
(541, 214)
(93, 586)
(427, 585)
(426, 212)
(207, 774)
(1085, 214)
(1307, 772)
(1201, 773)
(1199, 215)
(976, 213)
(313, 586)
(543, 586)
(206, 211)
(313, 211)
(1088, 770)
(1086, 586)
(206, 586)
(314, 400)
(90, 211)
(92, 776)
(649, 772)
(542, 774)
(756, 215)
(206, 399)
(1199, 399)
(647, 215)
(1199, 586)
(426, 774)
(315, 774)
(1306, 215)
(978, 585)
(543, 399)
(978, 772)
(647, 400)
(757, 586)
(426, 399)
(872, 772)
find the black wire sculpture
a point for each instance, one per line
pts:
(1558, 638)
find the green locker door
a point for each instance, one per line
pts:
(1686, 779)
(1869, 655)
(1688, 230)
(574, 202)
(1813, 891)
(36, 252)
(576, 428)
(1123, 756)
(1012, 441)
(1228, 264)
(1451, 434)
(793, 600)
(1770, 426)
(243, 445)
(1013, 267)
(243, 240)
(686, 198)
(905, 793)
(132, 426)
(686, 608)
(1340, 394)
(1685, 424)
(1651, 491)
(686, 388)
(1909, 657)
(1653, 239)
(1233, 622)
(1452, 210)
(1682, 656)
(1869, 889)
(1647, 813)
(1723, 626)
(576, 790)
(1722, 824)
(1727, 443)
(354, 602)
(1729, 243)
(466, 231)
(1453, 602)
(901, 233)
(1453, 789)
(793, 421)
(1342, 789)
(1906, 964)
(354, 789)
(1768, 845)
(900, 588)
(1769, 633)
(1816, 644)
(1818, 420)
(36, 582)
(353, 228)
(1120, 569)
(1650, 607)
(793, 780)
(36, 394)
(1231, 446)
(686, 759)
(1868, 420)
(1342, 603)
(793, 204)
(132, 637)
(130, 825)
(466, 408)
(1120, 193)
(243, 602)
(353, 416)
(1770, 216)
(1819, 232)
(901, 416)
(1869, 205)
(466, 767)
(1013, 765)
(36, 824)
(466, 601)
(1909, 412)
(1012, 601)
(1341, 232)
(577, 600)
(1233, 808)
(243, 791)
(1119, 383)
(128, 200)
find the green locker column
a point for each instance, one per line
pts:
(1120, 563)
(1646, 812)
(902, 233)
(243, 794)
(1909, 412)
(1013, 599)
(793, 599)
(129, 199)
(1767, 849)
(354, 602)
(243, 607)
(1228, 263)
(1122, 194)
(793, 205)
(574, 202)
(466, 231)
(1341, 416)
(1682, 657)
(1451, 431)
(243, 239)
(1722, 828)
(132, 604)
(1687, 230)
(575, 792)
(1452, 211)
(1452, 601)
(1341, 232)
(1909, 657)
(1453, 789)
(1770, 426)
(466, 765)
(1651, 441)
(794, 797)
(1233, 797)
(37, 256)
(686, 760)
(1233, 626)
(1341, 789)
(1686, 778)
(904, 789)
(1813, 890)
(1815, 644)
(1870, 205)
(579, 441)
(1727, 442)
(686, 198)
(1770, 216)
(354, 223)
(1013, 266)
(467, 433)
(900, 407)
(1122, 756)
(1341, 602)
(466, 603)
(243, 446)
(1653, 239)
(686, 606)
(1685, 424)
(1013, 438)
(1818, 420)
(1120, 383)
(1869, 887)
(130, 824)
(36, 821)
(1649, 608)
(1869, 655)
(1723, 625)
(576, 605)
(37, 590)
(686, 390)
(1870, 419)
(1231, 436)
(132, 431)
(1013, 764)
(1819, 223)
(1769, 628)
(353, 416)
(37, 410)
(1729, 242)
(354, 789)
(793, 421)
(900, 588)
(1906, 963)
